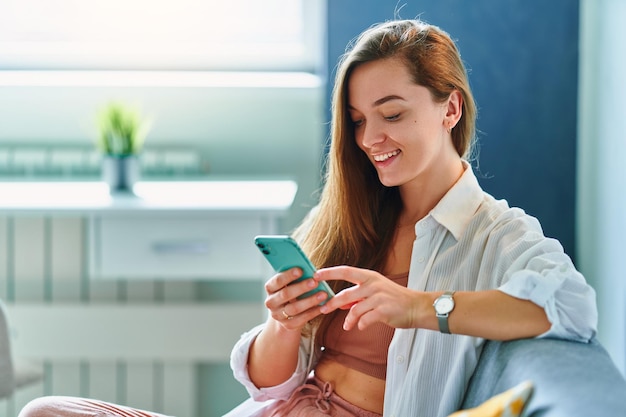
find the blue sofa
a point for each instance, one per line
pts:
(570, 379)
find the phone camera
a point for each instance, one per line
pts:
(266, 251)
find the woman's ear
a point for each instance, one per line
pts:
(454, 109)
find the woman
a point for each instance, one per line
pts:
(403, 215)
(413, 248)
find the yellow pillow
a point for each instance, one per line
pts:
(508, 404)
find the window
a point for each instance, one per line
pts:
(267, 35)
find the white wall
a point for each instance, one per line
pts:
(244, 124)
(601, 216)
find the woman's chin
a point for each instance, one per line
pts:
(388, 182)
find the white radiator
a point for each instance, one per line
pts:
(136, 343)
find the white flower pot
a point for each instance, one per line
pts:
(120, 173)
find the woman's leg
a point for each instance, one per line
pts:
(56, 406)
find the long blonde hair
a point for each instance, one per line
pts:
(355, 221)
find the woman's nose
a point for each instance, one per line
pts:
(372, 134)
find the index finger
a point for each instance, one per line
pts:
(340, 273)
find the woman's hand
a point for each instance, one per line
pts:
(283, 303)
(374, 299)
(271, 363)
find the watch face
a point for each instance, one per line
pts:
(444, 305)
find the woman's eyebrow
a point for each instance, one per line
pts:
(381, 101)
(386, 99)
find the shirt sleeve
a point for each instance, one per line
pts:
(539, 270)
(239, 365)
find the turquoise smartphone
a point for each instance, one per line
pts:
(283, 253)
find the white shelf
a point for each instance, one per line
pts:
(94, 197)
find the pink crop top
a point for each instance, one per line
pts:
(362, 350)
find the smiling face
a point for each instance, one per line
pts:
(400, 127)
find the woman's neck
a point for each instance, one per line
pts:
(419, 198)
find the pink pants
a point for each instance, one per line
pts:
(56, 406)
(316, 398)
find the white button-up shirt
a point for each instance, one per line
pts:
(468, 242)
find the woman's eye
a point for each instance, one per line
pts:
(392, 117)
(358, 122)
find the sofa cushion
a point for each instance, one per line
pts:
(510, 403)
(570, 379)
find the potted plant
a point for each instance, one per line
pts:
(121, 137)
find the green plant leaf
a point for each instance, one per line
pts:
(122, 131)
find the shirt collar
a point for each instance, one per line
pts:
(457, 207)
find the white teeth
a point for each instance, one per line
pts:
(385, 156)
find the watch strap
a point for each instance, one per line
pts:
(443, 323)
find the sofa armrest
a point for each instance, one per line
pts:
(571, 379)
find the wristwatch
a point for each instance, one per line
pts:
(443, 306)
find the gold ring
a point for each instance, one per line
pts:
(287, 316)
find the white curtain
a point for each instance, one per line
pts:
(601, 199)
